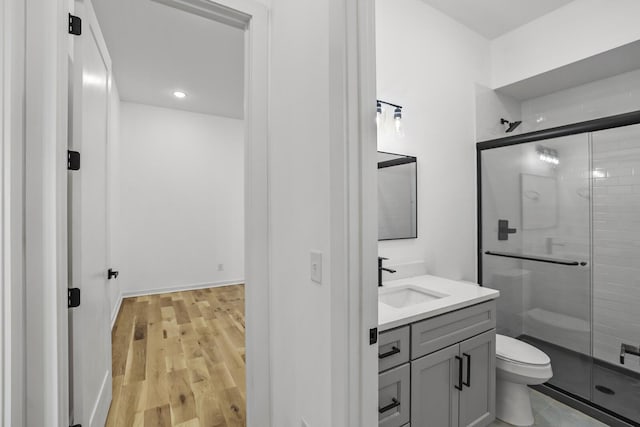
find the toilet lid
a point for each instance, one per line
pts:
(519, 351)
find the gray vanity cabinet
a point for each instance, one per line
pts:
(450, 371)
(394, 403)
(455, 386)
(434, 398)
(477, 399)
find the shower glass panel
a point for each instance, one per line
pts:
(536, 249)
(616, 268)
(560, 238)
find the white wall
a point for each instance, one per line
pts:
(430, 64)
(299, 165)
(579, 30)
(180, 208)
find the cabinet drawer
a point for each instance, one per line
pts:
(394, 397)
(442, 331)
(393, 348)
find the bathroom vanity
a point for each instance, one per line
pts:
(436, 353)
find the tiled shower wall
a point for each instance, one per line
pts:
(616, 243)
(616, 197)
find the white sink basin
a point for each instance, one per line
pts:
(407, 296)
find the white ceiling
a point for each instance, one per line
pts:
(157, 50)
(493, 18)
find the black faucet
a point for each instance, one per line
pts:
(628, 349)
(381, 269)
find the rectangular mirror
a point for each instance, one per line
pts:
(397, 196)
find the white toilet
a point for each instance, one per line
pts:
(518, 365)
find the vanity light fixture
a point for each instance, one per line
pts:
(179, 94)
(397, 115)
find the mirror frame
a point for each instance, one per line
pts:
(397, 162)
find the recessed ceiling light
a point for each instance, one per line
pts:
(179, 94)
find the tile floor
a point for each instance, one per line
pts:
(548, 412)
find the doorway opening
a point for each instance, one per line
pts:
(169, 120)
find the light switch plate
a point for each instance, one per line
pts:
(316, 266)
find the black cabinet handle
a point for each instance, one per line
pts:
(459, 385)
(394, 404)
(394, 350)
(468, 382)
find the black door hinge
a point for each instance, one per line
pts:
(373, 336)
(73, 160)
(73, 297)
(75, 25)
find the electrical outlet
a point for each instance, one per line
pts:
(316, 266)
(220, 267)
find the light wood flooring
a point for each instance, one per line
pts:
(179, 360)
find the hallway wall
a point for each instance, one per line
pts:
(178, 218)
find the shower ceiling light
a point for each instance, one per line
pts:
(179, 94)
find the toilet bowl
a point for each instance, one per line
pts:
(518, 365)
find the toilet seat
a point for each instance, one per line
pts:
(519, 352)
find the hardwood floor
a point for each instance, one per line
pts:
(179, 360)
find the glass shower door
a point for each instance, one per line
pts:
(535, 250)
(616, 269)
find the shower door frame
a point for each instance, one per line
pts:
(589, 126)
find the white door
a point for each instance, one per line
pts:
(90, 329)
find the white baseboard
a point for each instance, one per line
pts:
(101, 407)
(179, 288)
(116, 310)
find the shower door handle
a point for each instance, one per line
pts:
(504, 230)
(536, 258)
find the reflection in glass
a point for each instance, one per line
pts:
(397, 197)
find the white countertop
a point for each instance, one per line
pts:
(458, 295)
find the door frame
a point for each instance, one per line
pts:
(12, 132)
(354, 213)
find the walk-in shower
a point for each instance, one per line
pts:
(559, 236)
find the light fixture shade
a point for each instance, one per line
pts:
(179, 94)
(397, 113)
(381, 116)
(397, 118)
